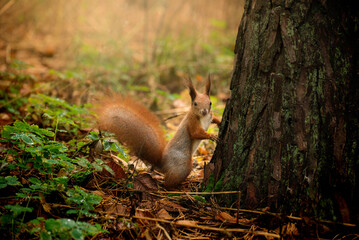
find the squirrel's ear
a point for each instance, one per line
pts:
(192, 91)
(208, 85)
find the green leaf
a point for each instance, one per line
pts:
(77, 234)
(200, 199)
(93, 136)
(36, 139)
(107, 144)
(22, 195)
(121, 153)
(109, 169)
(35, 221)
(26, 139)
(51, 225)
(45, 236)
(12, 180)
(97, 167)
(20, 65)
(72, 211)
(66, 222)
(17, 209)
(83, 162)
(35, 181)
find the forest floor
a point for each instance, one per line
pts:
(54, 183)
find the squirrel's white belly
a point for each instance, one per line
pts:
(205, 122)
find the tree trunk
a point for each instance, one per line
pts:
(289, 134)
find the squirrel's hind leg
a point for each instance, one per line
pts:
(174, 177)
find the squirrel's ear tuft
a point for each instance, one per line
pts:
(208, 85)
(192, 91)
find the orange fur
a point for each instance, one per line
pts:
(134, 126)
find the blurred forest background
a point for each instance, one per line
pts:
(85, 47)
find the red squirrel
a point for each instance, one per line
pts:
(139, 129)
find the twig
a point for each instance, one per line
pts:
(182, 193)
(289, 217)
(202, 227)
(6, 6)
(197, 193)
(164, 230)
(238, 205)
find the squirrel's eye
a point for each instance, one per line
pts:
(195, 103)
(210, 103)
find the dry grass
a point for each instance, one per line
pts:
(133, 25)
(122, 43)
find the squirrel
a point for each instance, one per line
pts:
(139, 129)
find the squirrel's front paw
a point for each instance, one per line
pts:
(214, 137)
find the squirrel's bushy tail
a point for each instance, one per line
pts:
(134, 126)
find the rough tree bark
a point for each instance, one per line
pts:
(289, 135)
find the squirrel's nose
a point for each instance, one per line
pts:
(204, 112)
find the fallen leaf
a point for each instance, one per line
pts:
(62, 173)
(187, 223)
(9, 158)
(116, 168)
(225, 217)
(163, 214)
(289, 229)
(99, 193)
(140, 213)
(123, 162)
(44, 204)
(145, 182)
(114, 209)
(202, 151)
(171, 206)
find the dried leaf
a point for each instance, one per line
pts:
(202, 151)
(225, 217)
(140, 213)
(62, 173)
(9, 158)
(114, 209)
(99, 193)
(123, 162)
(145, 182)
(116, 168)
(171, 206)
(187, 223)
(163, 214)
(44, 204)
(290, 229)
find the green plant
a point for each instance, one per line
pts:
(63, 228)
(14, 80)
(9, 181)
(36, 148)
(15, 216)
(84, 201)
(32, 147)
(68, 229)
(58, 114)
